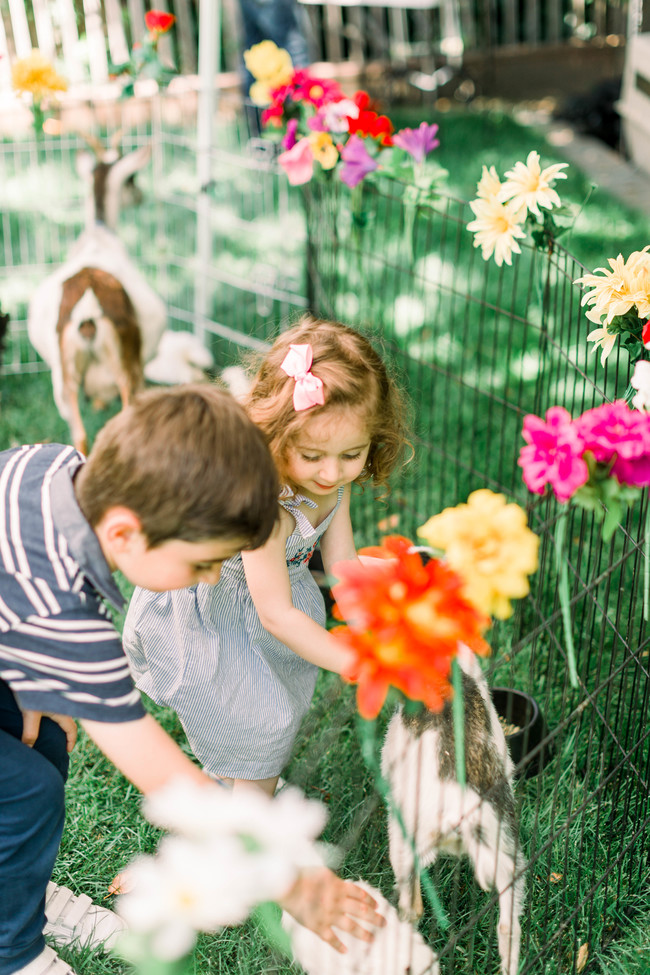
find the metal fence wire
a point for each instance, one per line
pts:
(476, 348)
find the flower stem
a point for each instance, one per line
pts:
(367, 736)
(563, 591)
(646, 565)
(458, 711)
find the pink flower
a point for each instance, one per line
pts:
(298, 162)
(553, 455)
(289, 140)
(357, 161)
(418, 142)
(614, 430)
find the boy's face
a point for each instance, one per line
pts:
(174, 564)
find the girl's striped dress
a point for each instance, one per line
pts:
(240, 694)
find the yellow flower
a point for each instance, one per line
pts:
(496, 228)
(323, 149)
(270, 63)
(528, 185)
(616, 291)
(36, 75)
(489, 185)
(488, 543)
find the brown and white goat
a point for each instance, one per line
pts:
(478, 821)
(96, 321)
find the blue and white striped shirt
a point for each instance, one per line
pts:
(59, 650)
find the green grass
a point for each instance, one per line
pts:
(471, 367)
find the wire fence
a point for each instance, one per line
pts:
(477, 348)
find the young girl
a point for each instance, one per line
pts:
(238, 661)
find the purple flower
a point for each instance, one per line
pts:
(418, 142)
(289, 140)
(357, 161)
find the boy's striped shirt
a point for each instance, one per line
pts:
(59, 650)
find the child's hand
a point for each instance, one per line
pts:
(320, 900)
(32, 727)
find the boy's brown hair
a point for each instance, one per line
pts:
(354, 377)
(189, 463)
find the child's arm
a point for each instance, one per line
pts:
(337, 544)
(268, 582)
(144, 752)
(148, 757)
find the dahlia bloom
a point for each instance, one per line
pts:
(553, 454)
(528, 185)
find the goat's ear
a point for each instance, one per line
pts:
(130, 164)
(85, 163)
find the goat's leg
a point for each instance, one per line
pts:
(511, 903)
(66, 382)
(407, 878)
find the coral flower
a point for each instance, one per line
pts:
(36, 76)
(489, 544)
(528, 185)
(298, 162)
(158, 21)
(496, 229)
(405, 620)
(553, 455)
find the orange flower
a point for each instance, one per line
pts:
(158, 21)
(405, 620)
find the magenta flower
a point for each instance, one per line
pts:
(357, 161)
(613, 429)
(553, 455)
(418, 142)
(289, 140)
(298, 163)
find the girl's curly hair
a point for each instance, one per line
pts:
(354, 377)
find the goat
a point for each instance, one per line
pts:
(418, 761)
(181, 358)
(397, 948)
(95, 321)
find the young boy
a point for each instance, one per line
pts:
(175, 484)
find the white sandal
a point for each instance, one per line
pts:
(72, 918)
(47, 963)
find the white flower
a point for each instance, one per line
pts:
(605, 339)
(641, 382)
(527, 185)
(335, 114)
(496, 229)
(489, 185)
(288, 824)
(182, 890)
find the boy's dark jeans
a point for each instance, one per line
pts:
(31, 823)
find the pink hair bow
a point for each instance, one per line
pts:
(308, 390)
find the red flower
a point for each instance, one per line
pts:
(158, 21)
(368, 122)
(405, 621)
(645, 334)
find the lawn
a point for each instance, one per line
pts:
(465, 341)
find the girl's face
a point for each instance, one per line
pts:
(329, 451)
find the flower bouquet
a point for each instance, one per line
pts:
(145, 60)
(524, 202)
(600, 462)
(37, 78)
(620, 304)
(325, 133)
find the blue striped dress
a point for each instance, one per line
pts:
(240, 694)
